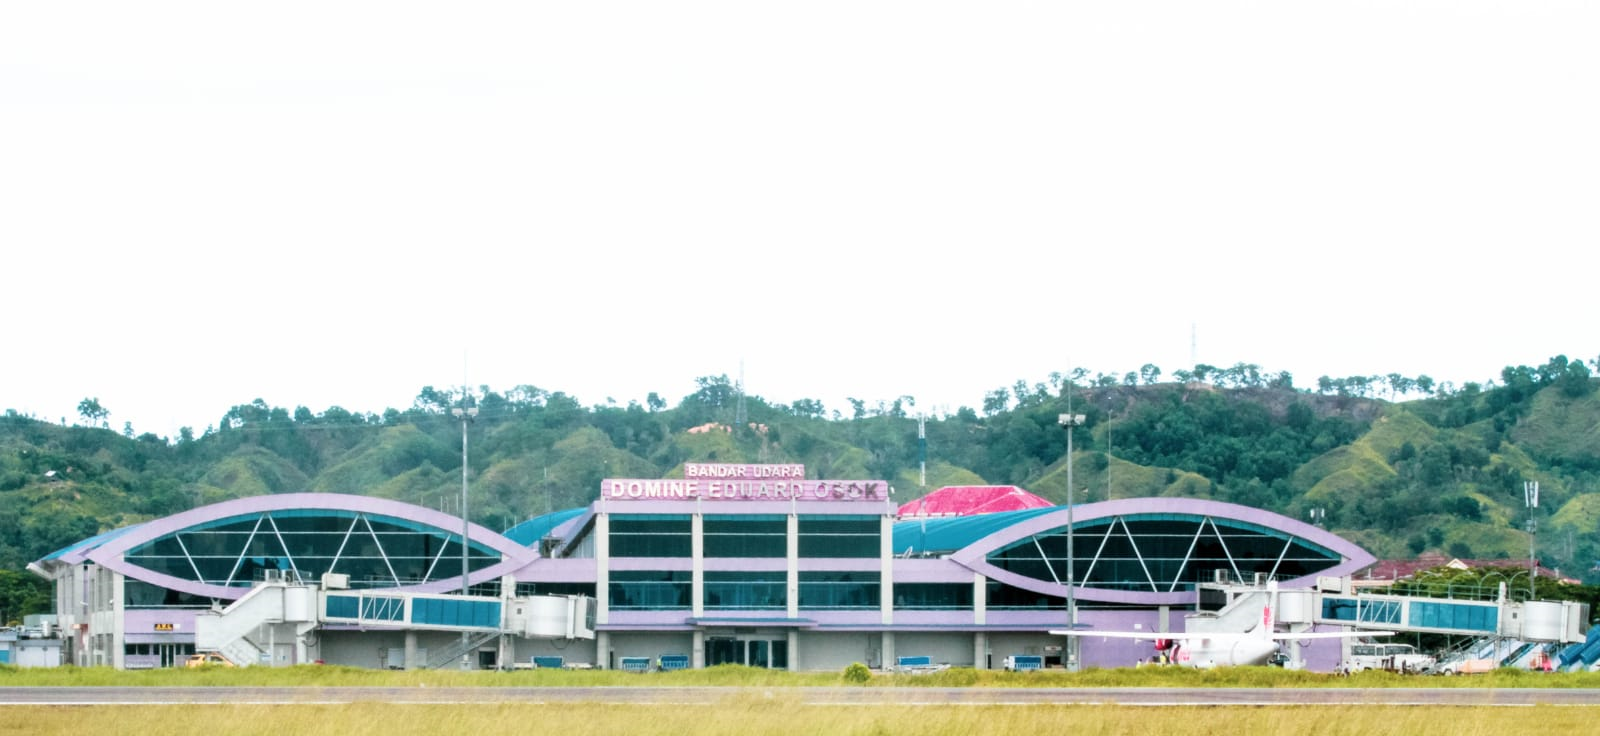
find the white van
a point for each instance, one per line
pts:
(1391, 657)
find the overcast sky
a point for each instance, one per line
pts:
(338, 203)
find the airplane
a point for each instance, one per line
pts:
(1206, 650)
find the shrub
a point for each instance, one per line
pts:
(857, 673)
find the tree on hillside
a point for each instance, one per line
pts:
(996, 401)
(93, 412)
(1149, 373)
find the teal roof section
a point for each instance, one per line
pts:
(529, 532)
(91, 542)
(918, 537)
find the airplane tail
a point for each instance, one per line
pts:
(1268, 625)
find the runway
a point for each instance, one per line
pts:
(821, 696)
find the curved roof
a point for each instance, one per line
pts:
(923, 537)
(969, 500)
(529, 532)
(980, 542)
(109, 549)
(74, 553)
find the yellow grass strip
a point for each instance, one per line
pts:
(781, 716)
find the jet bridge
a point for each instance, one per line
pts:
(278, 616)
(1527, 621)
(1332, 603)
(1230, 606)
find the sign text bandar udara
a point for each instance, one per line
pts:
(731, 482)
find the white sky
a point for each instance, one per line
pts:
(335, 203)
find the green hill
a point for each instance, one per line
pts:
(1442, 473)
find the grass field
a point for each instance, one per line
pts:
(773, 712)
(736, 676)
(751, 716)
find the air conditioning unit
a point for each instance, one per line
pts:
(335, 581)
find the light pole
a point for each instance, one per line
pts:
(1069, 421)
(466, 415)
(1530, 497)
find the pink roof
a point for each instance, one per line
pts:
(969, 500)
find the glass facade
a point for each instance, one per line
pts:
(1002, 597)
(650, 535)
(1162, 553)
(1461, 616)
(375, 551)
(1454, 616)
(646, 590)
(140, 594)
(933, 596)
(839, 590)
(528, 589)
(834, 537)
(751, 535)
(727, 591)
(1368, 610)
(765, 653)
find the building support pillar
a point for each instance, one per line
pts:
(980, 650)
(411, 651)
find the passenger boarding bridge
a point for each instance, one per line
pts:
(1332, 603)
(274, 622)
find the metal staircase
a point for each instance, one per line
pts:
(453, 654)
(231, 631)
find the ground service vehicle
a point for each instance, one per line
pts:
(204, 659)
(1391, 657)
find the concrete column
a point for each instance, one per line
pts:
(792, 556)
(980, 599)
(119, 628)
(888, 649)
(302, 653)
(602, 572)
(697, 657)
(886, 564)
(697, 575)
(794, 650)
(602, 650)
(411, 651)
(980, 651)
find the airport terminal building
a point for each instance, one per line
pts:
(745, 564)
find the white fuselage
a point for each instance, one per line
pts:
(1206, 653)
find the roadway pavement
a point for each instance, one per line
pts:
(856, 696)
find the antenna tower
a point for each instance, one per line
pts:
(922, 445)
(739, 418)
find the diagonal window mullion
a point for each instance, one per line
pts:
(443, 544)
(190, 558)
(1225, 551)
(285, 545)
(1099, 551)
(381, 553)
(1046, 558)
(1188, 557)
(1287, 543)
(1139, 556)
(239, 559)
(334, 565)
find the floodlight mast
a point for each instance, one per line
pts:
(1069, 421)
(1530, 498)
(466, 415)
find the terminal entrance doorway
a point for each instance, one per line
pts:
(764, 653)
